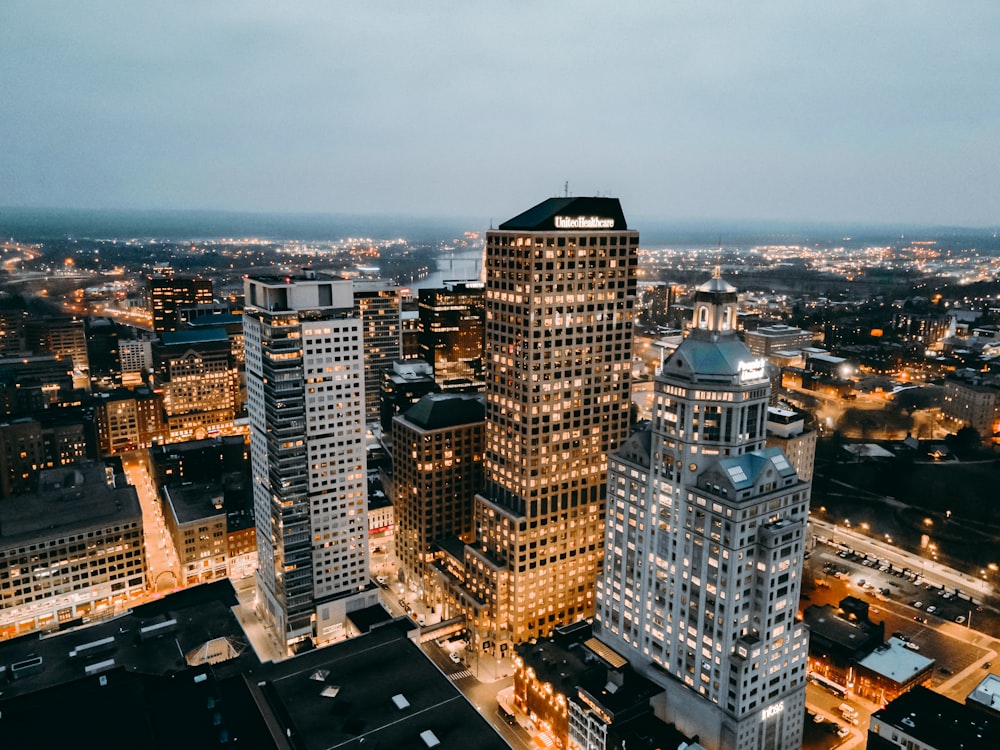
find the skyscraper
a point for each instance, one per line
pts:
(377, 305)
(560, 287)
(168, 295)
(452, 322)
(306, 404)
(704, 546)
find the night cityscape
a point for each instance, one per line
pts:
(314, 437)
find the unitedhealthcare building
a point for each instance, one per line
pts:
(704, 546)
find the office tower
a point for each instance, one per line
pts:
(63, 337)
(102, 354)
(128, 419)
(169, 294)
(73, 549)
(452, 326)
(31, 384)
(306, 404)
(767, 340)
(197, 374)
(437, 470)
(30, 446)
(402, 386)
(377, 305)
(704, 546)
(560, 287)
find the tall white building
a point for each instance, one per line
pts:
(704, 546)
(306, 404)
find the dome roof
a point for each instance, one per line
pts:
(717, 285)
(698, 356)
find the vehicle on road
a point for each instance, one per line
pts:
(912, 646)
(901, 636)
(987, 665)
(453, 655)
(918, 618)
(843, 732)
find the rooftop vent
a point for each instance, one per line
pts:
(430, 739)
(400, 700)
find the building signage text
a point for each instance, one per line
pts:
(771, 711)
(584, 222)
(754, 370)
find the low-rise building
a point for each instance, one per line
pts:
(890, 670)
(72, 550)
(921, 719)
(195, 517)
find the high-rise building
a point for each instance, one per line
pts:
(377, 305)
(704, 546)
(560, 288)
(169, 294)
(65, 338)
(197, 374)
(452, 324)
(306, 405)
(437, 470)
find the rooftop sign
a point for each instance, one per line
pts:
(753, 371)
(584, 222)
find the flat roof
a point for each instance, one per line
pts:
(195, 502)
(937, 721)
(987, 692)
(201, 613)
(69, 498)
(895, 661)
(343, 694)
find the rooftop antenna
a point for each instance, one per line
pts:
(566, 189)
(717, 271)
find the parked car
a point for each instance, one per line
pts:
(960, 619)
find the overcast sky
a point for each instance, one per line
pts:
(854, 110)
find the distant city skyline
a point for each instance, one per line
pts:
(854, 112)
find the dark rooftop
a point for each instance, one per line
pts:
(195, 336)
(937, 721)
(69, 497)
(195, 502)
(201, 614)
(368, 618)
(436, 411)
(379, 688)
(588, 214)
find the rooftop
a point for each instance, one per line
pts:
(436, 411)
(895, 661)
(195, 502)
(70, 497)
(200, 335)
(939, 722)
(378, 688)
(570, 214)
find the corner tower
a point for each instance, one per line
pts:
(704, 546)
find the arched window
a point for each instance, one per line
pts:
(702, 317)
(725, 319)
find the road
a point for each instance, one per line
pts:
(163, 566)
(959, 649)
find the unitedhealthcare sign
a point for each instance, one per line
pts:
(584, 222)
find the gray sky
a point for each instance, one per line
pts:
(854, 110)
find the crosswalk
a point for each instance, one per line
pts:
(456, 676)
